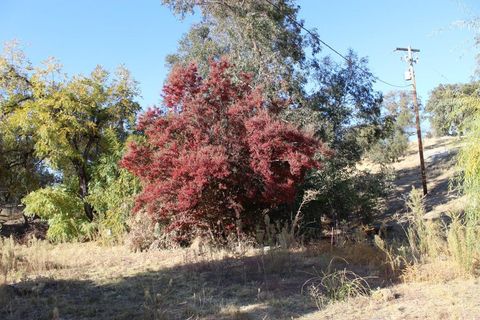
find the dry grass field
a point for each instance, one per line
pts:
(355, 280)
(87, 281)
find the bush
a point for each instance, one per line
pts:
(64, 212)
(141, 233)
(146, 234)
(389, 150)
(346, 194)
(219, 156)
(464, 236)
(112, 194)
(469, 164)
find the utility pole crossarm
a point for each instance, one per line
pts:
(407, 49)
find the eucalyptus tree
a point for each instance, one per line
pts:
(258, 37)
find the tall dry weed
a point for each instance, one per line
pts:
(8, 258)
(424, 236)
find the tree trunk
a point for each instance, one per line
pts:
(83, 181)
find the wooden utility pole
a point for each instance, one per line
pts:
(410, 75)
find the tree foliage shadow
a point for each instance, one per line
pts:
(265, 286)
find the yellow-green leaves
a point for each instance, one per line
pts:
(63, 211)
(67, 124)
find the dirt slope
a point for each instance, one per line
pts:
(440, 156)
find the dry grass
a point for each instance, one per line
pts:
(436, 271)
(88, 281)
(19, 261)
(335, 285)
(453, 300)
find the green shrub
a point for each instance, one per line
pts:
(464, 235)
(389, 150)
(349, 194)
(112, 194)
(64, 212)
(469, 164)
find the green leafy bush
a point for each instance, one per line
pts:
(469, 163)
(464, 235)
(64, 212)
(112, 195)
(389, 150)
(348, 194)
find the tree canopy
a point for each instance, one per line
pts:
(450, 107)
(262, 39)
(335, 100)
(398, 109)
(58, 126)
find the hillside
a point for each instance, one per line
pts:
(439, 155)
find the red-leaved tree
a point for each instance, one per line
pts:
(218, 155)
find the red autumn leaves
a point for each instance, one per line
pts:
(218, 155)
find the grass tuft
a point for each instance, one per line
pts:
(335, 285)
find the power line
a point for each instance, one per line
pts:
(314, 35)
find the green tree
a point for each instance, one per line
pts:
(112, 193)
(21, 170)
(71, 123)
(398, 109)
(259, 38)
(265, 39)
(344, 111)
(448, 108)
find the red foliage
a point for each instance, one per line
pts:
(217, 156)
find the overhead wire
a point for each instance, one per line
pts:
(314, 35)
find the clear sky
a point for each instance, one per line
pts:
(139, 34)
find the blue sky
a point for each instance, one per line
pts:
(139, 34)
